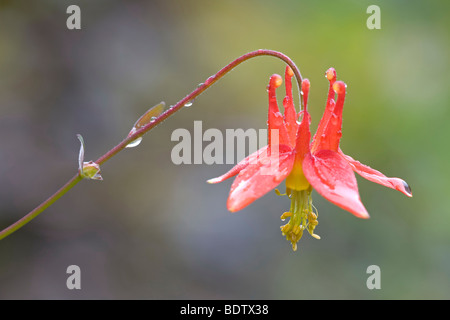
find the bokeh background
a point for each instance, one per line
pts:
(154, 230)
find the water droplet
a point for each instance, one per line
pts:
(134, 143)
(210, 79)
(334, 119)
(188, 104)
(407, 187)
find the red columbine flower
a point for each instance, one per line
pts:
(318, 164)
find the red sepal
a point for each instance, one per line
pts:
(377, 177)
(333, 178)
(258, 179)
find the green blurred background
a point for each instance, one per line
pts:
(154, 230)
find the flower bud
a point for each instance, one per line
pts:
(91, 170)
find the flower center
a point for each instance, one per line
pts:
(302, 215)
(296, 181)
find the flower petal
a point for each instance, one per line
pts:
(275, 118)
(303, 136)
(258, 179)
(329, 132)
(333, 178)
(331, 76)
(253, 158)
(290, 115)
(377, 177)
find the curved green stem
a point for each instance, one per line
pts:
(44, 205)
(144, 129)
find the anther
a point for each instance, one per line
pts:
(286, 215)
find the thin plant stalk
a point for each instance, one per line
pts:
(144, 129)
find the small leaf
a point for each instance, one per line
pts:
(81, 154)
(90, 169)
(145, 119)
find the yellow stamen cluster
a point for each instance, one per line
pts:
(301, 216)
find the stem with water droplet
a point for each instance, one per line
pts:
(144, 129)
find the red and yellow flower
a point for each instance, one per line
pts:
(305, 164)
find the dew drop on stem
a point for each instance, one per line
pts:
(134, 143)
